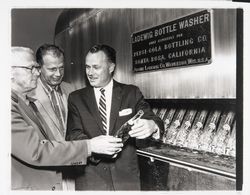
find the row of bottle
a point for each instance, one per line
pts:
(213, 131)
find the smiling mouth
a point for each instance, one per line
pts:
(58, 79)
(92, 79)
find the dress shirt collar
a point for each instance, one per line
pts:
(108, 87)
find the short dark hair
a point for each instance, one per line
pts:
(48, 48)
(109, 51)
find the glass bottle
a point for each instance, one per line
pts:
(185, 128)
(207, 136)
(126, 127)
(167, 121)
(218, 145)
(231, 144)
(192, 140)
(174, 127)
(162, 112)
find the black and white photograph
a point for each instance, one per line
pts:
(126, 97)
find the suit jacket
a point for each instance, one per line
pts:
(121, 173)
(35, 157)
(48, 116)
(46, 110)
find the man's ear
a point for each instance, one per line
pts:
(112, 67)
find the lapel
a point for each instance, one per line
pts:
(90, 100)
(28, 112)
(65, 95)
(43, 124)
(65, 104)
(115, 106)
(43, 103)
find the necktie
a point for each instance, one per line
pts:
(102, 109)
(58, 108)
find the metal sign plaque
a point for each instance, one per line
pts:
(182, 42)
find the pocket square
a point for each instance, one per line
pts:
(125, 112)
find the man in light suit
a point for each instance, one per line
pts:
(51, 93)
(101, 109)
(36, 155)
(51, 96)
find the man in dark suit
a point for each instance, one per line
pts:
(36, 155)
(101, 109)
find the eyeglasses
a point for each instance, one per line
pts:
(32, 68)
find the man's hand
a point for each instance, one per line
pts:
(143, 128)
(105, 144)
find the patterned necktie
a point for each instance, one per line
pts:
(58, 108)
(102, 109)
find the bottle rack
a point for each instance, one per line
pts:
(199, 136)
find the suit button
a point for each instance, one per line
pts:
(53, 188)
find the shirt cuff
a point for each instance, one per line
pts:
(156, 134)
(88, 147)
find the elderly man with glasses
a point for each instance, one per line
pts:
(36, 155)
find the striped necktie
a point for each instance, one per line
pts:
(102, 109)
(58, 108)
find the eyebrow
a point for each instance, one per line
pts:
(60, 65)
(94, 65)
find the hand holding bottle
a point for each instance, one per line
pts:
(143, 128)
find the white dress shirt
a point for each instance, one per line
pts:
(108, 96)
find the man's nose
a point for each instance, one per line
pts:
(90, 71)
(37, 72)
(58, 73)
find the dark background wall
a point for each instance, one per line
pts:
(33, 27)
